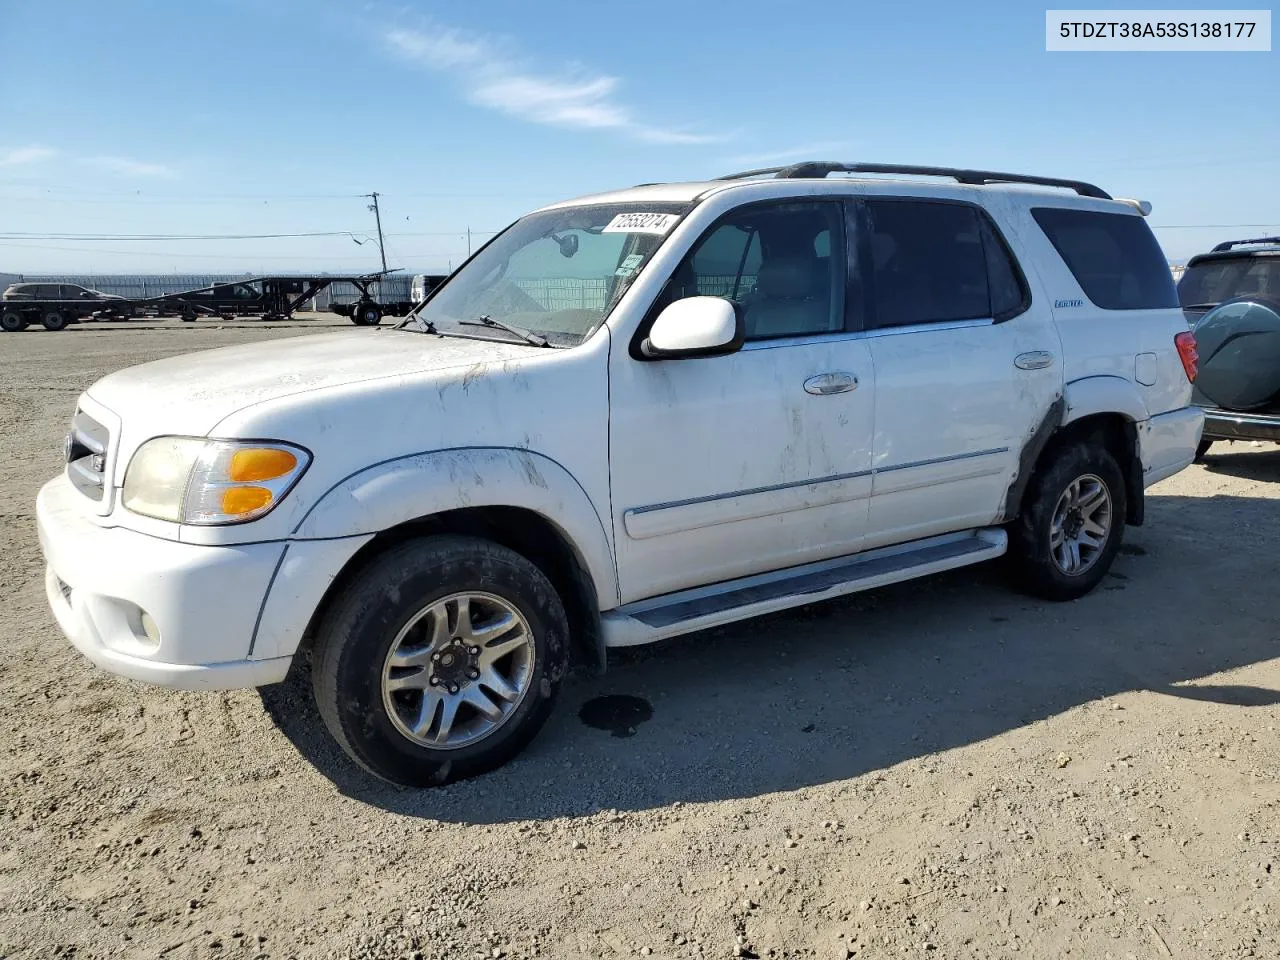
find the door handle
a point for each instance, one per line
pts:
(825, 384)
(1034, 360)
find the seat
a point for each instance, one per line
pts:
(792, 297)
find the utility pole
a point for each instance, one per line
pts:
(377, 215)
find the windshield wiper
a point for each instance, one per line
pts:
(1199, 306)
(527, 335)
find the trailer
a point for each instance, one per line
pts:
(267, 297)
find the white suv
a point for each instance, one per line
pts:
(629, 416)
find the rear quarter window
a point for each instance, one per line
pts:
(1113, 256)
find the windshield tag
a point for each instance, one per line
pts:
(628, 265)
(656, 223)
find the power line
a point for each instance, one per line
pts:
(203, 256)
(78, 237)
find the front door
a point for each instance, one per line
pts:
(967, 366)
(727, 466)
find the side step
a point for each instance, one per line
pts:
(703, 607)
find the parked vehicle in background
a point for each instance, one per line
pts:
(628, 417)
(220, 299)
(422, 284)
(55, 305)
(1231, 296)
(54, 291)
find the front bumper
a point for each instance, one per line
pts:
(174, 614)
(1227, 425)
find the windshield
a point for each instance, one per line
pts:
(556, 273)
(1213, 281)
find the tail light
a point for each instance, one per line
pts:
(1186, 344)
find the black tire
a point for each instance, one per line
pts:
(366, 313)
(1202, 449)
(357, 634)
(1032, 559)
(54, 320)
(188, 316)
(11, 321)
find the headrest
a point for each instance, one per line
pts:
(883, 247)
(788, 277)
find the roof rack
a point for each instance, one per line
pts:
(1228, 244)
(820, 168)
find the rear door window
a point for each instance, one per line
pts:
(1113, 256)
(934, 262)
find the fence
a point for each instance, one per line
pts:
(141, 286)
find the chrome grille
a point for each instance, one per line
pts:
(86, 455)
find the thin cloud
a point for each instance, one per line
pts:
(17, 156)
(126, 167)
(487, 70)
(813, 151)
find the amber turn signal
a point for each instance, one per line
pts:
(260, 463)
(241, 500)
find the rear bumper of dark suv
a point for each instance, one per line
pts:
(1229, 425)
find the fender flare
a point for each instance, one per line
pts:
(419, 485)
(1104, 394)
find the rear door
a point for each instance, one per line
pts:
(967, 365)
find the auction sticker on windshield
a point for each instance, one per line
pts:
(658, 223)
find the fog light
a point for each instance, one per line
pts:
(150, 629)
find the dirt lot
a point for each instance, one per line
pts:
(943, 768)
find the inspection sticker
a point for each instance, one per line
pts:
(658, 223)
(628, 265)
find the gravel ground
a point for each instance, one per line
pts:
(943, 768)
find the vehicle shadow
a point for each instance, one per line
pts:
(1245, 461)
(835, 690)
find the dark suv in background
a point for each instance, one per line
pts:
(1231, 297)
(74, 302)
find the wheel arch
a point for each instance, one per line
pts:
(518, 498)
(527, 532)
(1114, 429)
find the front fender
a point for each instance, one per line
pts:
(1104, 394)
(408, 488)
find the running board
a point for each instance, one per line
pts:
(704, 607)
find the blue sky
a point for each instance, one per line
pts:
(252, 117)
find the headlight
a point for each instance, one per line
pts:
(189, 480)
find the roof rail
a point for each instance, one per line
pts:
(820, 168)
(1228, 244)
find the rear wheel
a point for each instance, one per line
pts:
(1202, 449)
(54, 320)
(366, 313)
(441, 660)
(11, 321)
(1072, 521)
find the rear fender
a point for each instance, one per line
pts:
(1093, 395)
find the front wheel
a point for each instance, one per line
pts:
(54, 320)
(441, 660)
(1071, 524)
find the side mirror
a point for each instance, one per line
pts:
(695, 327)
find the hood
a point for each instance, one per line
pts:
(192, 393)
